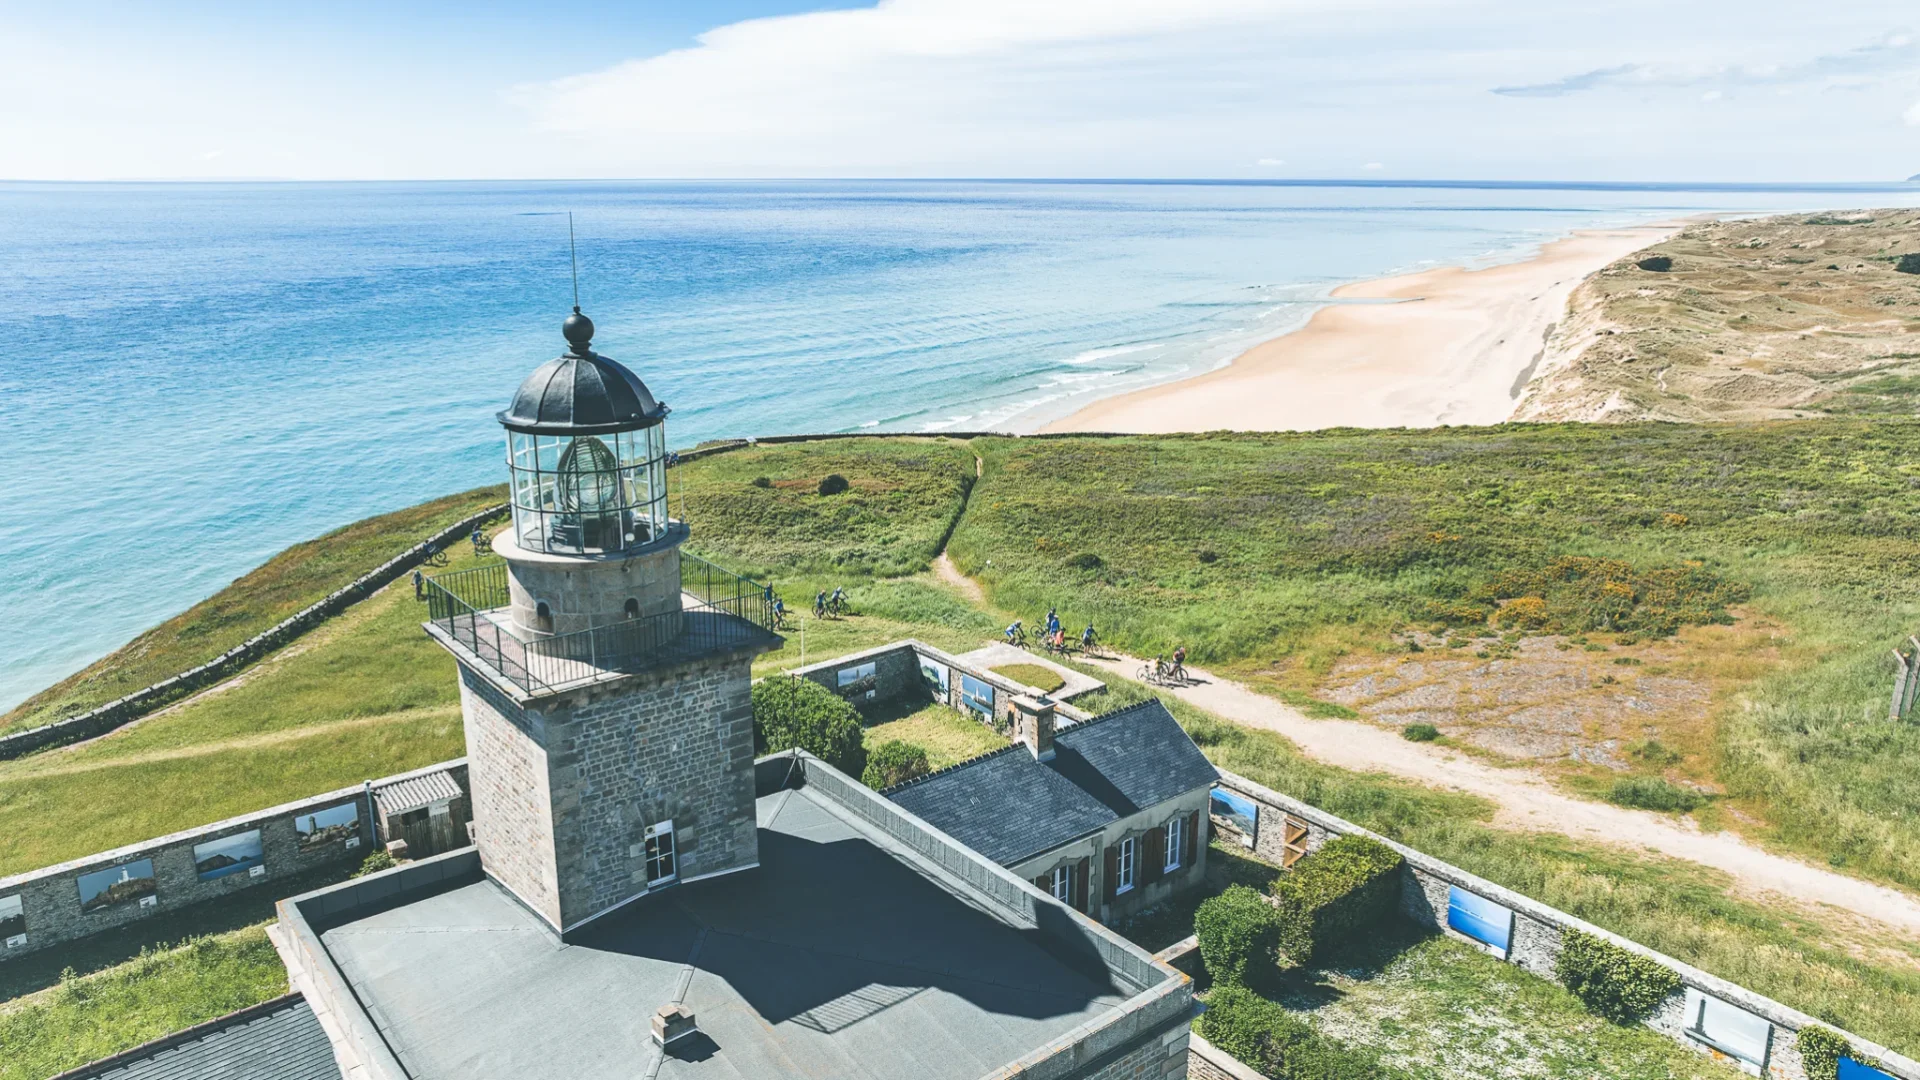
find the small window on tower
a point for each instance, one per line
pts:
(632, 608)
(543, 617)
(662, 867)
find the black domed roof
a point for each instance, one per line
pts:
(582, 393)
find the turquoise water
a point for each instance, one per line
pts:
(195, 376)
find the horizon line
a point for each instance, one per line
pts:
(1332, 181)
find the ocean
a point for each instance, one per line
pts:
(194, 376)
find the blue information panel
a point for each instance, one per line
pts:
(1853, 1070)
(1479, 918)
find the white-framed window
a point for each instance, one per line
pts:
(1063, 884)
(662, 860)
(1176, 832)
(1123, 872)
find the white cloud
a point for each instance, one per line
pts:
(1373, 166)
(1892, 53)
(1711, 95)
(1271, 161)
(1913, 115)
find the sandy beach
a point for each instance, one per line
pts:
(1444, 346)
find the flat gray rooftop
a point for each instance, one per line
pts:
(842, 955)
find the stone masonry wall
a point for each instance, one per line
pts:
(50, 897)
(512, 803)
(1538, 931)
(676, 745)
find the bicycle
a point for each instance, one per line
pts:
(1016, 638)
(1154, 673)
(840, 605)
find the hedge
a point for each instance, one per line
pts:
(893, 762)
(1275, 1042)
(1350, 884)
(1622, 986)
(790, 712)
(1820, 1052)
(1239, 932)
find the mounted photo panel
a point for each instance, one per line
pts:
(228, 855)
(332, 825)
(1854, 1070)
(1234, 814)
(117, 885)
(937, 677)
(13, 922)
(977, 695)
(1733, 1031)
(1481, 919)
(848, 676)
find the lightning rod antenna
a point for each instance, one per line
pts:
(574, 251)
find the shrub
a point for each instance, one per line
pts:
(833, 484)
(1908, 264)
(1622, 986)
(1419, 733)
(1086, 560)
(1273, 1041)
(1658, 264)
(1525, 613)
(894, 762)
(790, 712)
(1238, 932)
(375, 862)
(762, 481)
(1350, 884)
(1820, 1052)
(1653, 793)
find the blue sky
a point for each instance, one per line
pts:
(1468, 89)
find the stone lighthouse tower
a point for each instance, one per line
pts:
(603, 672)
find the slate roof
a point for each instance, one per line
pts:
(279, 1040)
(1009, 807)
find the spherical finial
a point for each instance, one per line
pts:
(579, 331)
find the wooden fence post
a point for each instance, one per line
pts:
(1902, 676)
(1913, 678)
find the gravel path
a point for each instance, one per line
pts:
(1527, 801)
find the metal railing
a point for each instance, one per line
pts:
(721, 610)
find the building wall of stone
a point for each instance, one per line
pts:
(512, 801)
(676, 744)
(896, 675)
(50, 897)
(1093, 849)
(591, 591)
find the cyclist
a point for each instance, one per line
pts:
(1086, 639)
(1059, 641)
(419, 586)
(820, 604)
(839, 600)
(1053, 622)
(1015, 635)
(1179, 670)
(1159, 668)
(779, 612)
(479, 542)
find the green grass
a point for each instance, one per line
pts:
(369, 694)
(1443, 1009)
(286, 583)
(945, 733)
(1039, 676)
(1274, 554)
(86, 1018)
(1868, 983)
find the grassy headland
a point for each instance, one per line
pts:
(283, 585)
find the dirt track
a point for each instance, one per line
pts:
(1528, 802)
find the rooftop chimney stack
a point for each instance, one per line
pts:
(1036, 725)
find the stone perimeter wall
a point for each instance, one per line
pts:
(897, 675)
(1538, 931)
(50, 897)
(104, 718)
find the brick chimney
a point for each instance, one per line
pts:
(1036, 725)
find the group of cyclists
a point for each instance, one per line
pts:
(1054, 640)
(825, 603)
